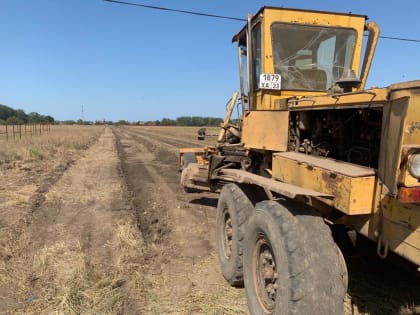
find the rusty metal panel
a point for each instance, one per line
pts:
(352, 186)
(400, 129)
(401, 228)
(266, 130)
(411, 135)
(394, 114)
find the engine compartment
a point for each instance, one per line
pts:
(350, 135)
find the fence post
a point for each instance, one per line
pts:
(7, 134)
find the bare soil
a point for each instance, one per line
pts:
(109, 230)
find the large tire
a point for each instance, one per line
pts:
(233, 210)
(291, 263)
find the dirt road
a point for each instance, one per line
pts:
(178, 228)
(112, 232)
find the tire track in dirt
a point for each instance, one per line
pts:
(170, 141)
(81, 252)
(178, 231)
(165, 146)
(165, 138)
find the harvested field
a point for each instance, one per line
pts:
(94, 221)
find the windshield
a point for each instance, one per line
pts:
(311, 57)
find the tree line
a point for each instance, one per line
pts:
(196, 121)
(12, 116)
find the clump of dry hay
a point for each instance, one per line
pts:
(67, 283)
(128, 242)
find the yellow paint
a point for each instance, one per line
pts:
(199, 155)
(266, 130)
(368, 98)
(374, 31)
(264, 100)
(411, 135)
(330, 19)
(353, 194)
(401, 228)
(228, 115)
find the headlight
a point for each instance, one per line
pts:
(414, 165)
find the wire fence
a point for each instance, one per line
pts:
(15, 132)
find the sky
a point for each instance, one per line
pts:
(94, 60)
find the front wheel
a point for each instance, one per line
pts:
(233, 210)
(282, 272)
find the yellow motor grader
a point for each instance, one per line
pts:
(313, 149)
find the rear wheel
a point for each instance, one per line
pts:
(233, 210)
(290, 266)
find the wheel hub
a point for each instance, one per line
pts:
(265, 274)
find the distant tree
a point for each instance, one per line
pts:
(168, 122)
(21, 115)
(69, 122)
(215, 122)
(34, 118)
(198, 121)
(122, 122)
(6, 112)
(49, 119)
(13, 120)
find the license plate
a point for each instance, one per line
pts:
(269, 81)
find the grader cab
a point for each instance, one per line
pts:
(313, 148)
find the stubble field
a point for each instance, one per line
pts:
(93, 221)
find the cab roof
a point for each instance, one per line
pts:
(240, 33)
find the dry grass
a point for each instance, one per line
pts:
(212, 298)
(66, 282)
(69, 284)
(127, 241)
(216, 299)
(59, 279)
(60, 140)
